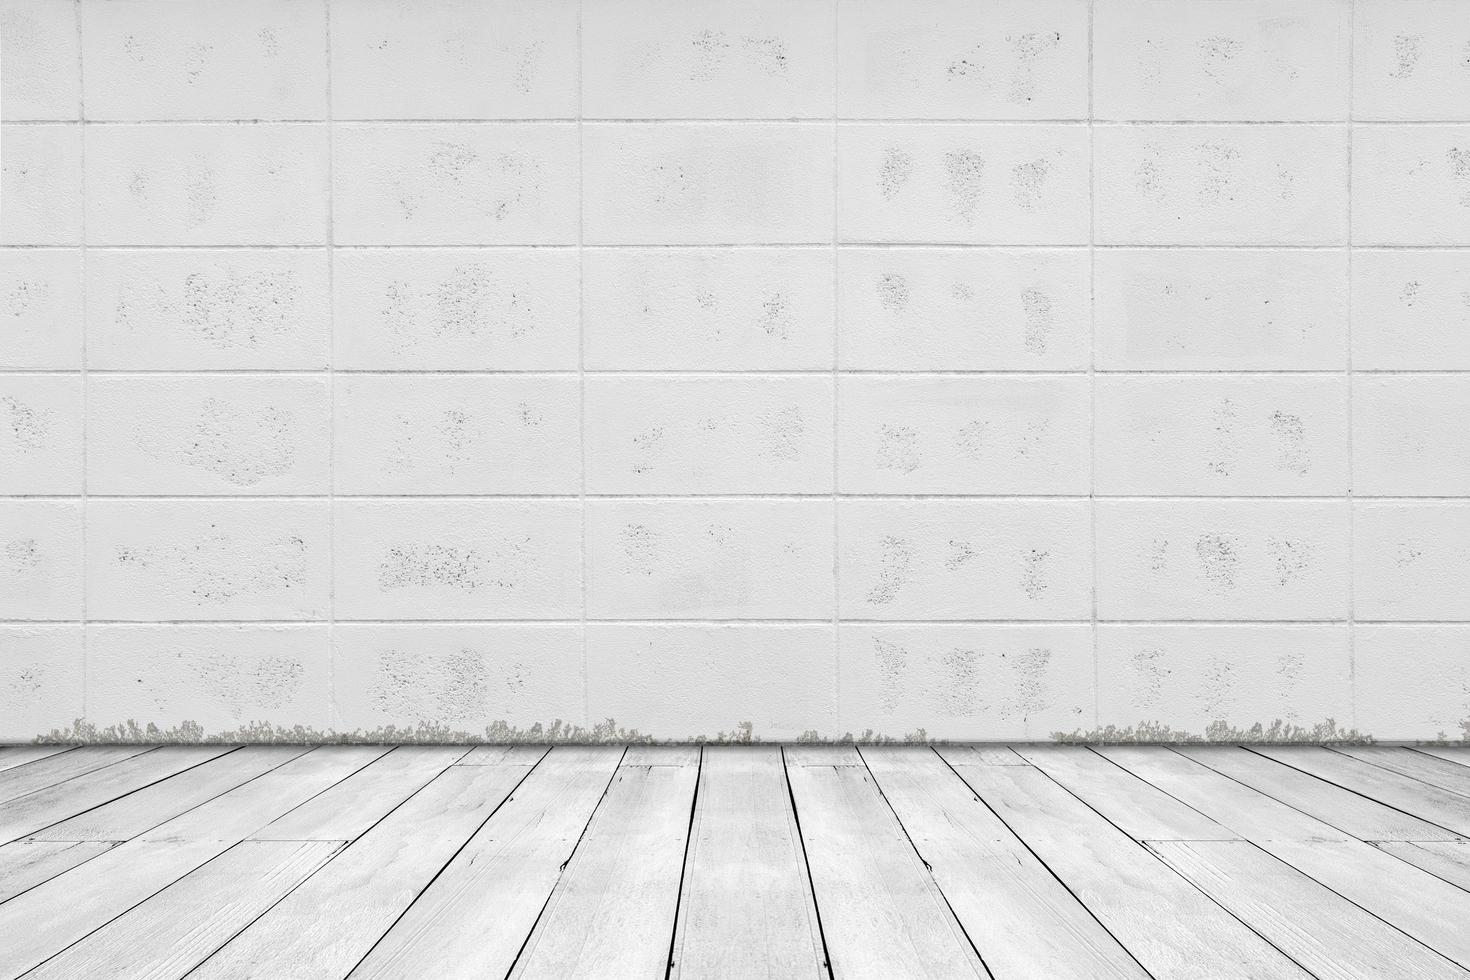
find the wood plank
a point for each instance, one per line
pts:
(988, 755)
(45, 920)
(25, 864)
(326, 927)
(1168, 925)
(746, 908)
(1419, 904)
(1138, 809)
(474, 918)
(1246, 811)
(54, 804)
(612, 912)
(1430, 803)
(1019, 916)
(125, 818)
(348, 809)
(172, 932)
(1449, 860)
(19, 755)
(1447, 775)
(822, 755)
(246, 809)
(1347, 811)
(46, 772)
(1458, 754)
(1324, 932)
(502, 755)
(661, 755)
(882, 914)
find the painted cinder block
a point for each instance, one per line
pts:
(964, 559)
(207, 184)
(419, 434)
(41, 184)
(244, 678)
(40, 72)
(683, 434)
(703, 59)
(40, 308)
(41, 560)
(705, 681)
(1411, 310)
(205, 435)
(949, 309)
(41, 680)
(436, 309)
(455, 184)
(1187, 677)
(1222, 60)
(206, 309)
(1411, 559)
(454, 59)
(1221, 185)
(40, 434)
(1222, 559)
(1413, 682)
(966, 681)
(208, 560)
(709, 559)
(962, 183)
(707, 184)
(1409, 60)
(1209, 309)
(1267, 435)
(1411, 435)
(457, 559)
(1411, 185)
(708, 309)
(964, 435)
(483, 680)
(160, 59)
(958, 59)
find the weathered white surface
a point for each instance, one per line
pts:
(437, 369)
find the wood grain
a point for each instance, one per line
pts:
(130, 815)
(612, 912)
(1321, 930)
(746, 908)
(475, 916)
(1167, 924)
(1343, 809)
(1022, 920)
(327, 926)
(881, 911)
(172, 932)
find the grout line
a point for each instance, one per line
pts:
(1329, 246)
(1092, 358)
(582, 369)
(85, 380)
(735, 373)
(991, 497)
(331, 713)
(747, 121)
(1348, 381)
(836, 362)
(766, 621)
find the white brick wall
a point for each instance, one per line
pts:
(543, 368)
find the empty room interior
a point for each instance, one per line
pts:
(683, 489)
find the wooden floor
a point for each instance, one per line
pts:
(734, 861)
